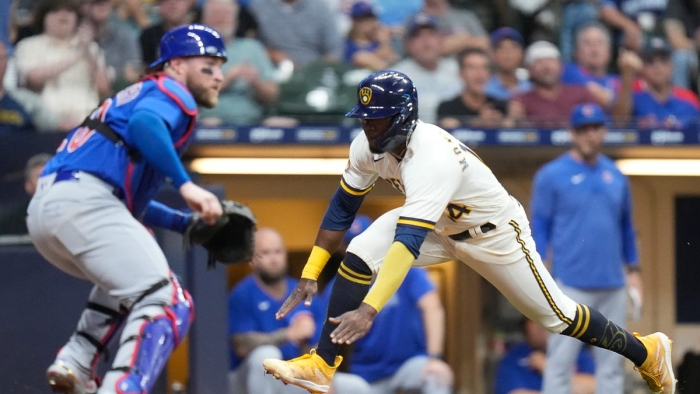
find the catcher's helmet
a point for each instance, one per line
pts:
(385, 94)
(190, 40)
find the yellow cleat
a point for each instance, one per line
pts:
(309, 371)
(657, 369)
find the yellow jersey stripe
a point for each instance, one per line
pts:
(578, 321)
(587, 320)
(351, 279)
(356, 274)
(540, 282)
(416, 222)
(351, 190)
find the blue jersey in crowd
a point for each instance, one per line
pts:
(137, 181)
(351, 48)
(585, 214)
(251, 309)
(514, 373)
(679, 110)
(13, 117)
(398, 327)
(576, 75)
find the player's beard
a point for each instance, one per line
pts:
(271, 278)
(204, 97)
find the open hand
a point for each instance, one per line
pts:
(352, 325)
(305, 291)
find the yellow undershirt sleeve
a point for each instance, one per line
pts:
(314, 265)
(397, 262)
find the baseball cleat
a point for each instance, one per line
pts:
(657, 369)
(309, 371)
(62, 379)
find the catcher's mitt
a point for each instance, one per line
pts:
(230, 240)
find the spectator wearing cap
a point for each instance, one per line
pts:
(368, 44)
(473, 107)
(655, 101)
(302, 31)
(461, 29)
(119, 43)
(550, 101)
(173, 13)
(436, 77)
(416, 363)
(590, 67)
(582, 225)
(507, 50)
(248, 85)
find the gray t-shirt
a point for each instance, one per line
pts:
(461, 21)
(305, 30)
(433, 87)
(121, 47)
(237, 104)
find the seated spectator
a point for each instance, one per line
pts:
(256, 334)
(461, 28)
(550, 102)
(416, 363)
(63, 64)
(13, 217)
(507, 50)
(473, 106)
(682, 28)
(120, 44)
(173, 13)
(302, 31)
(590, 68)
(656, 102)
(247, 86)
(520, 370)
(436, 77)
(636, 19)
(368, 44)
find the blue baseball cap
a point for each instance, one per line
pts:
(361, 9)
(419, 21)
(359, 225)
(655, 47)
(506, 33)
(587, 114)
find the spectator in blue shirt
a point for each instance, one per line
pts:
(590, 66)
(368, 44)
(582, 225)
(507, 48)
(520, 370)
(656, 101)
(256, 334)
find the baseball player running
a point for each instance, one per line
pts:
(95, 196)
(455, 209)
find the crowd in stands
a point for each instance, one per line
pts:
(520, 64)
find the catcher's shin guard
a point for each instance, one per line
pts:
(151, 334)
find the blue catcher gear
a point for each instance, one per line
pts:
(385, 94)
(190, 40)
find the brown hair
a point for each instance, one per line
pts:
(48, 6)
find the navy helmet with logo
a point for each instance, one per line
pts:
(385, 94)
(190, 40)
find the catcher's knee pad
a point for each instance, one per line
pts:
(157, 330)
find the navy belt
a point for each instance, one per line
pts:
(464, 235)
(74, 175)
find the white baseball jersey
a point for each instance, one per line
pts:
(446, 184)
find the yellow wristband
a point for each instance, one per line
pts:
(314, 265)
